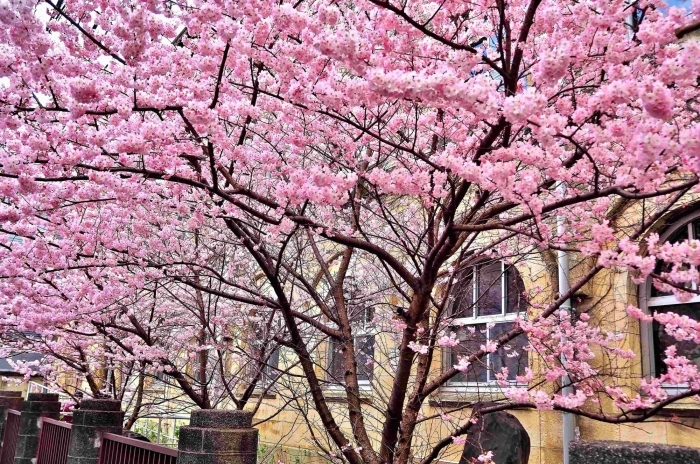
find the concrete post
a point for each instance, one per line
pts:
(8, 400)
(38, 405)
(218, 437)
(94, 417)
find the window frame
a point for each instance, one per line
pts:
(504, 318)
(364, 329)
(647, 303)
(271, 371)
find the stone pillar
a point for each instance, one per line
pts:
(8, 400)
(38, 405)
(218, 437)
(94, 417)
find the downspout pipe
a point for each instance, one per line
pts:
(568, 419)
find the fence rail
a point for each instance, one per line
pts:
(10, 437)
(116, 449)
(54, 441)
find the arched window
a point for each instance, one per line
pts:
(485, 301)
(654, 337)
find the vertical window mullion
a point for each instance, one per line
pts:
(504, 285)
(475, 290)
(691, 236)
(488, 355)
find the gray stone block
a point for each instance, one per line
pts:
(97, 418)
(221, 419)
(37, 406)
(40, 407)
(218, 437)
(93, 418)
(11, 402)
(622, 452)
(190, 439)
(42, 397)
(229, 441)
(101, 405)
(194, 458)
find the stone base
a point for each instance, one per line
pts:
(624, 452)
(38, 405)
(94, 417)
(218, 437)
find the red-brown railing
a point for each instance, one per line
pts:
(116, 449)
(54, 441)
(10, 437)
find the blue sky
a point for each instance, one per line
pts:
(680, 3)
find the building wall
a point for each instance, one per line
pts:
(607, 298)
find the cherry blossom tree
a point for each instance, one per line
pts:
(302, 166)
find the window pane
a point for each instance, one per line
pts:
(516, 301)
(515, 358)
(360, 316)
(271, 371)
(364, 348)
(463, 295)
(489, 301)
(661, 267)
(662, 340)
(369, 316)
(335, 366)
(469, 343)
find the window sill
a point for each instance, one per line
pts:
(677, 412)
(267, 395)
(339, 395)
(454, 397)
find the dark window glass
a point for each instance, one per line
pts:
(515, 292)
(364, 347)
(335, 366)
(469, 343)
(463, 295)
(489, 300)
(662, 340)
(678, 236)
(364, 351)
(516, 364)
(271, 370)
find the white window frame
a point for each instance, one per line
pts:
(365, 329)
(265, 381)
(270, 370)
(647, 303)
(475, 319)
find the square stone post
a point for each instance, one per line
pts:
(8, 400)
(218, 437)
(38, 405)
(90, 421)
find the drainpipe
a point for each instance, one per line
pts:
(568, 419)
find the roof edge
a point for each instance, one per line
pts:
(685, 30)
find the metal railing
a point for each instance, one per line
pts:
(54, 441)
(10, 437)
(116, 449)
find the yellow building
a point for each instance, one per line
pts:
(605, 299)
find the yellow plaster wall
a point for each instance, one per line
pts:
(611, 291)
